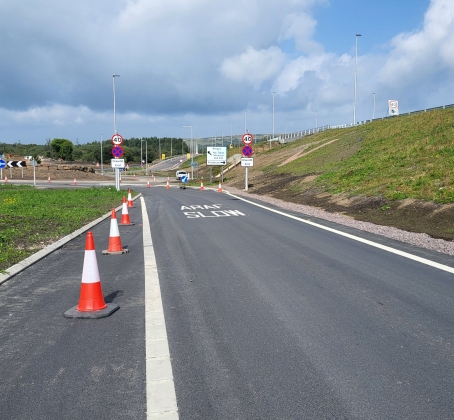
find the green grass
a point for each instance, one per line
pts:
(30, 218)
(403, 157)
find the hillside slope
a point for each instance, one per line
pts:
(396, 172)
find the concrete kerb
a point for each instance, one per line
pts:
(27, 262)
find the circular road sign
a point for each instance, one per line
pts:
(247, 139)
(393, 104)
(184, 179)
(116, 140)
(117, 151)
(247, 151)
(2, 163)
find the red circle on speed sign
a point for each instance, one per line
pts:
(247, 139)
(117, 140)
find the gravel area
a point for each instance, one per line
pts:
(419, 239)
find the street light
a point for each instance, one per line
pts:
(373, 113)
(115, 111)
(273, 119)
(191, 152)
(102, 170)
(245, 129)
(356, 64)
(231, 135)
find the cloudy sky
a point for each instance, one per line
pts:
(214, 64)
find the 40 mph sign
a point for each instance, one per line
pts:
(247, 139)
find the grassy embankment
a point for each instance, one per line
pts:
(30, 218)
(403, 157)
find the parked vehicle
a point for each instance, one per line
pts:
(179, 174)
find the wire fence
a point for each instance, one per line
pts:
(287, 138)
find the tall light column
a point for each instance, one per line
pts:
(245, 127)
(373, 113)
(115, 110)
(191, 152)
(231, 137)
(102, 169)
(273, 120)
(356, 65)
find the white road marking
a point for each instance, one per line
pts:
(355, 238)
(161, 397)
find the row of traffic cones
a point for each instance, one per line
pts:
(91, 301)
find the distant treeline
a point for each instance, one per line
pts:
(147, 148)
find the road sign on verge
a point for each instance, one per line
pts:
(247, 139)
(117, 140)
(117, 151)
(2, 163)
(184, 179)
(247, 151)
(16, 164)
(117, 163)
(247, 162)
(216, 155)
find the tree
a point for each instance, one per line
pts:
(62, 148)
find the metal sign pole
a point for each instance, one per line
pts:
(246, 180)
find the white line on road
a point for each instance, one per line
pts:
(355, 238)
(161, 397)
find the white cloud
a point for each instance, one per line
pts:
(253, 66)
(300, 28)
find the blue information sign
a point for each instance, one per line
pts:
(2, 163)
(184, 179)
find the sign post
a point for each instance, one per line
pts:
(247, 152)
(117, 152)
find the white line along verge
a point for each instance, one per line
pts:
(161, 397)
(356, 238)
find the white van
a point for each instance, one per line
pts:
(179, 174)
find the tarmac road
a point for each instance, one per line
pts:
(267, 316)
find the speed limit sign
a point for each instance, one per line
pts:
(117, 140)
(247, 139)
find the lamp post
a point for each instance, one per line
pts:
(102, 170)
(115, 111)
(373, 113)
(117, 170)
(272, 138)
(245, 128)
(356, 65)
(231, 137)
(191, 152)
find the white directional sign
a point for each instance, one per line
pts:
(117, 163)
(216, 155)
(247, 161)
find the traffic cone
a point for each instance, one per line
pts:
(48, 178)
(6, 178)
(130, 203)
(75, 182)
(114, 246)
(201, 185)
(220, 187)
(125, 220)
(134, 176)
(148, 183)
(168, 185)
(154, 178)
(91, 301)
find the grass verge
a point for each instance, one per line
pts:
(31, 219)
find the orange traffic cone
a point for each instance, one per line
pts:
(154, 178)
(6, 178)
(220, 187)
(148, 183)
(130, 203)
(114, 246)
(168, 185)
(75, 182)
(125, 220)
(91, 300)
(201, 185)
(48, 178)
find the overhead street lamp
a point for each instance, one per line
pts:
(373, 113)
(273, 121)
(245, 128)
(191, 152)
(102, 170)
(115, 111)
(356, 65)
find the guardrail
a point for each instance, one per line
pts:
(287, 138)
